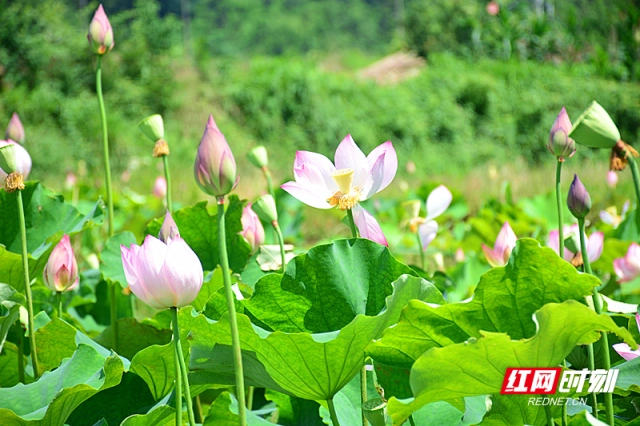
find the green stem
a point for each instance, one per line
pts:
(178, 388)
(332, 411)
(276, 227)
(559, 203)
(363, 371)
(183, 366)
(233, 322)
(597, 304)
(560, 248)
(167, 177)
(352, 224)
(198, 409)
(267, 175)
(565, 420)
(547, 412)
(411, 421)
(107, 179)
(250, 391)
(363, 391)
(592, 366)
(636, 183)
(20, 353)
(27, 285)
(59, 300)
(422, 262)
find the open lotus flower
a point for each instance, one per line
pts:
(252, 229)
(23, 160)
(595, 244)
(61, 272)
(610, 215)
(505, 242)
(437, 202)
(163, 272)
(15, 130)
(624, 350)
(627, 268)
(354, 177)
(100, 33)
(368, 226)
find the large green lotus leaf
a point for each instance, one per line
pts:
(115, 404)
(504, 302)
(51, 399)
(310, 366)
(55, 341)
(133, 337)
(477, 367)
(9, 375)
(224, 412)
(47, 219)
(200, 230)
(111, 258)
(325, 288)
(160, 416)
(155, 365)
(629, 375)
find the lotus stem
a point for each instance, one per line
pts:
(352, 224)
(20, 353)
(59, 300)
(597, 304)
(27, 284)
(636, 183)
(167, 177)
(332, 411)
(422, 261)
(182, 366)
(107, 180)
(560, 249)
(267, 176)
(233, 322)
(276, 227)
(178, 386)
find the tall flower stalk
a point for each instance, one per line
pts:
(14, 182)
(215, 173)
(579, 202)
(101, 42)
(562, 146)
(265, 208)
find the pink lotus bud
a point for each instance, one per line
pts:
(61, 272)
(23, 160)
(163, 274)
(15, 131)
(100, 33)
(493, 8)
(460, 257)
(160, 187)
(252, 229)
(70, 181)
(560, 144)
(612, 178)
(215, 167)
(169, 229)
(579, 200)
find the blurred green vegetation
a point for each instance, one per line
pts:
(286, 74)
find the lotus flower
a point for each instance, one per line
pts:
(624, 350)
(627, 268)
(612, 178)
(252, 229)
(437, 202)
(560, 144)
(505, 242)
(368, 226)
(15, 130)
(354, 178)
(594, 242)
(61, 272)
(100, 33)
(215, 166)
(578, 200)
(23, 160)
(164, 272)
(160, 187)
(610, 215)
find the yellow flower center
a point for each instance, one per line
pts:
(347, 197)
(414, 223)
